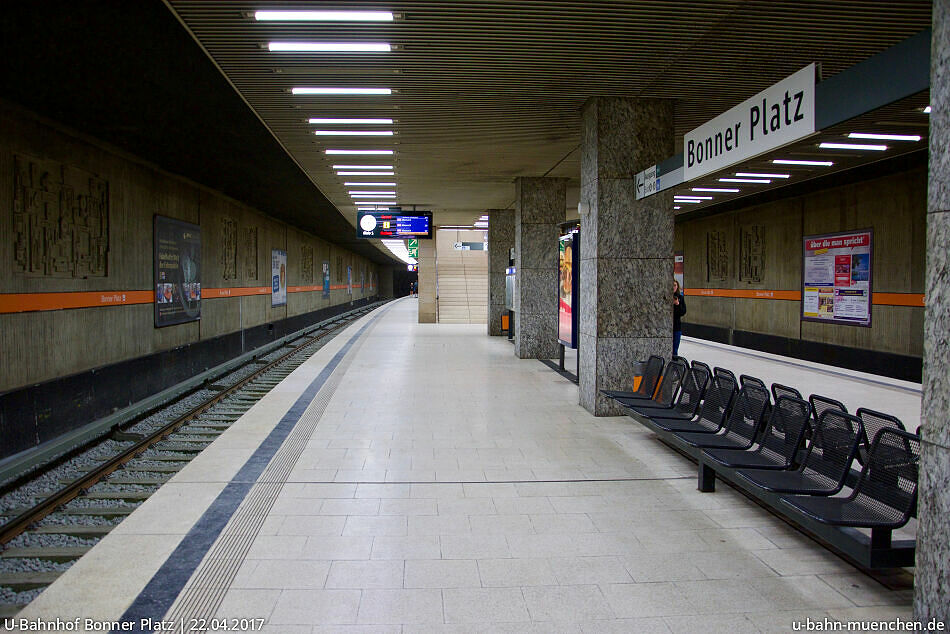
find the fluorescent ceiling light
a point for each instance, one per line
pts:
(370, 193)
(927, 110)
(481, 224)
(483, 217)
(352, 121)
(797, 162)
(329, 47)
(678, 198)
(362, 167)
(851, 146)
(689, 201)
(365, 195)
(365, 173)
(353, 132)
(884, 137)
(675, 207)
(324, 16)
(757, 175)
(716, 189)
(352, 184)
(341, 91)
(757, 181)
(358, 152)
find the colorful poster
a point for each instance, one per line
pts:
(177, 258)
(349, 280)
(278, 272)
(326, 278)
(567, 287)
(678, 268)
(836, 278)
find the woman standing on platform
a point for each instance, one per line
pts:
(679, 309)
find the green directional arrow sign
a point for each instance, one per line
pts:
(413, 248)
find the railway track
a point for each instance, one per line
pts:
(48, 523)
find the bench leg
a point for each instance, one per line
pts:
(706, 478)
(880, 538)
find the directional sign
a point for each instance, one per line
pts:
(413, 248)
(646, 182)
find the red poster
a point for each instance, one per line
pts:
(842, 271)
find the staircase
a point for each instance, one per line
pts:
(462, 279)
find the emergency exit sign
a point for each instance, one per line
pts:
(413, 248)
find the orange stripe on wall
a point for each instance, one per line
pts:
(878, 299)
(28, 302)
(33, 302)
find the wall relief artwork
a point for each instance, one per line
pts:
(227, 239)
(249, 253)
(751, 253)
(60, 220)
(306, 264)
(717, 256)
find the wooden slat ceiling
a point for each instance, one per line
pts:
(487, 91)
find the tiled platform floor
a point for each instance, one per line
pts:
(450, 487)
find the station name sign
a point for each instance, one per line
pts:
(781, 114)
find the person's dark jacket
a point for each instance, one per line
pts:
(678, 312)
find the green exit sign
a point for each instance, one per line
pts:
(413, 248)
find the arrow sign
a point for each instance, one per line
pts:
(646, 182)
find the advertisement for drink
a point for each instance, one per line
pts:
(278, 271)
(177, 258)
(836, 278)
(567, 287)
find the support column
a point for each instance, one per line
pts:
(501, 239)
(626, 246)
(428, 301)
(932, 573)
(540, 205)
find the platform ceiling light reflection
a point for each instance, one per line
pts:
(362, 167)
(324, 16)
(758, 175)
(852, 146)
(329, 47)
(350, 121)
(800, 162)
(353, 132)
(301, 90)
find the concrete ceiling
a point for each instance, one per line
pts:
(487, 90)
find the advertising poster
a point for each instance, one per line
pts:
(177, 257)
(567, 287)
(349, 280)
(326, 278)
(278, 273)
(362, 282)
(678, 268)
(836, 278)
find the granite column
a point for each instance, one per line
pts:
(626, 246)
(501, 239)
(932, 573)
(540, 205)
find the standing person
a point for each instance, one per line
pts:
(679, 309)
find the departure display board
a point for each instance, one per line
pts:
(388, 224)
(836, 278)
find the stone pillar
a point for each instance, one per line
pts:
(626, 246)
(428, 302)
(540, 205)
(932, 573)
(501, 239)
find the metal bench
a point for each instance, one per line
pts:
(690, 396)
(712, 414)
(742, 425)
(648, 380)
(874, 422)
(666, 391)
